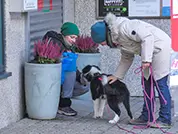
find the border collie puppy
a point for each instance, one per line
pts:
(102, 91)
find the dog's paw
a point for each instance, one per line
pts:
(100, 115)
(96, 117)
(115, 119)
(112, 122)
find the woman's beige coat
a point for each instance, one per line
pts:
(136, 37)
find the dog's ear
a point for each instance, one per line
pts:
(96, 67)
(86, 69)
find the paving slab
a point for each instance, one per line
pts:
(84, 123)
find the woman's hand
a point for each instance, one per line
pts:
(112, 79)
(145, 65)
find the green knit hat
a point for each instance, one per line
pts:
(69, 28)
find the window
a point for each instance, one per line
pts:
(1, 41)
(3, 74)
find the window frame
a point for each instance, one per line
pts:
(2, 34)
(3, 73)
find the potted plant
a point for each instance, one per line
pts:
(88, 52)
(43, 81)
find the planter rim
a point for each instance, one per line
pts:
(43, 65)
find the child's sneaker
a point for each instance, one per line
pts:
(67, 111)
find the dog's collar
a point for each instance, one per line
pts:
(104, 89)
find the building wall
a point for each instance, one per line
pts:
(11, 89)
(68, 10)
(85, 16)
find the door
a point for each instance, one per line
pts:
(42, 21)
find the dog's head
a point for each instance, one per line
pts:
(90, 71)
(97, 86)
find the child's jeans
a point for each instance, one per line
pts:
(71, 87)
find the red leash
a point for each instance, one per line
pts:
(151, 98)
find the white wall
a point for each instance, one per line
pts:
(85, 16)
(11, 90)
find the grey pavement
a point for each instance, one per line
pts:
(84, 123)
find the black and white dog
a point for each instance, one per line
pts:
(102, 91)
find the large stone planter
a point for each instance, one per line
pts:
(42, 90)
(88, 59)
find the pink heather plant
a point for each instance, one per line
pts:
(85, 44)
(46, 52)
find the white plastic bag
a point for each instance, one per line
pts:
(174, 70)
(173, 81)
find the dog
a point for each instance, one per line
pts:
(102, 91)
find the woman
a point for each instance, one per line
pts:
(136, 37)
(74, 84)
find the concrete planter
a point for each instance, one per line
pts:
(88, 59)
(42, 90)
